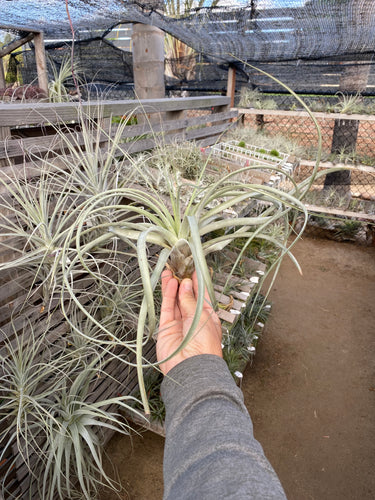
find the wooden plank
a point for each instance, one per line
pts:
(340, 213)
(2, 75)
(329, 164)
(231, 84)
(41, 62)
(36, 145)
(202, 133)
(305, 114)
(40, 112)
(15, 44)
(4, 135)
(21, 29)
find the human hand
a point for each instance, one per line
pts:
(177, 313)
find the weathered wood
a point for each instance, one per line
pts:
(231, 85)
(4, 135)
(21, 29)
(41, 62)
(40, 113)
(176, 116)
(31, 146)
(201, 133)
(305, 114)
(340, 213)
(2, 75)
(15, 44)
(148, 61)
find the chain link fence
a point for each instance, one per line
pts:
(341, 204)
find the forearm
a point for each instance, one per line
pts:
(210, 451)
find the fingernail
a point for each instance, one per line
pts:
(187, 285)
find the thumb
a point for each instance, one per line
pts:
(187, 301)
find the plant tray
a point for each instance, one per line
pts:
(250, 155)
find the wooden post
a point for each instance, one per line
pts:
(4, 135)
(148, 61)
(2, 75)
(41, 64)
(231, 86)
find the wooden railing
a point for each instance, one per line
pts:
(174, 119)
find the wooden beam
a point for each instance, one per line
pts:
(39, 113)
(326, 116)
(20, 29)
(2, 75)
(41, 62)
(148, 65)
(340, 213)
(35, 146)
(231, 85)
(4, 51)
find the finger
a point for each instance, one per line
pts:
(168, 305)
(166, 275)
(207, 301)
(186, 299)
(207, 305)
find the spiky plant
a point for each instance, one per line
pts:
(348, 104)
(58, 91)
(72, 452)
(182, 231)
(33, 224)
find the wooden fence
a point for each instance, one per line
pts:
(28, 132)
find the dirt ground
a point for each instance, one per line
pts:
(311, 387)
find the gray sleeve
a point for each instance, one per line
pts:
(210, 451)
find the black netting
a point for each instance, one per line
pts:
(288, 30)
(316, 46)
(96, 61)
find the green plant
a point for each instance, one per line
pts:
(265, 142)
(242, 144)
(349, 103)
(177, 228)
(95, 219)
(347, 229)
(46, 414)
(153, 380)
(35, 219)
(184, 157)
(255, 99)
(274, 152)
(72, 451)
(132, 120)
(58, 91)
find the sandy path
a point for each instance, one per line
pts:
(311, 388)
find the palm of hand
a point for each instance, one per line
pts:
(177, 313)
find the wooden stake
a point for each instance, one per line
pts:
(41, 64)
(231, 86)
(2, 75)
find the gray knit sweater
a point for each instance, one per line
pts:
(210, 451)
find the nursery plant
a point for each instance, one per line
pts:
(46, 412)
(58, 91)
(90, 218)
(180, 229)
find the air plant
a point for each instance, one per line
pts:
(33, 224)
(349, 103)
(72, 453)
(181, 231)
(46, 413)
(58, 91)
